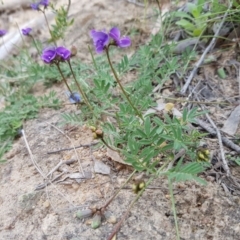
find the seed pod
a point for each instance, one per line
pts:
(141, 185)
(73, 51)
(84, 213)
(95, 135)
(93, 129)
(138, 186)
(99, 133)
(96, 221)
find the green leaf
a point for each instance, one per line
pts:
(194, 10)
(186, 172)
(186, 25)
(147, 126)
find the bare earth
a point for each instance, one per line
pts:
(50, 213)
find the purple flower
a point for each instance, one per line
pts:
(63, 52)
(74, 97)
(100, 40)
(49, 55)
(26, 31)
(52, 53)
(44, 3)
(35, 6)
(2, 32)
(116, 36)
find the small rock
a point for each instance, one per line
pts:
(46, 204)
(112, 220)
(75, 186)
(210, 178)
(100, 167)
(89, 222)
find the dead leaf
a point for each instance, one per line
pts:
(100, 167)
(116, 157)
(231, 124)
(80, 175)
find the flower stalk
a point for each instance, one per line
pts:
(64, 79)
(79, 87)
(120, 85)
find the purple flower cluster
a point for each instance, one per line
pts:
(55, 54)
(101, 39)
(35, 6)
(26, 31)
(2, 32)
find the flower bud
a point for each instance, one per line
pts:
(73, 51)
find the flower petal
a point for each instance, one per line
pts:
(100, 40)
(124, 42)
(44, 2)
(74, 97)
(63, 52)
(115, 33)
(2, 32)
(35, 6)
(49, 55)
(26, 31)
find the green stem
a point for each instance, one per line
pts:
(158, 6)
(35, 44)
(64, 79)
(79, 87)
(68, 7)
(93, 59)
(118, 191)
(118, 225)
(120, 85)
(173, 208)
(49, 27)
(107, 145)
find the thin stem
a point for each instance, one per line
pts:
(159, 7)
(188, 101)
(79, 88)
(107, 145)
(49, 27)
(64, 79)
(117, 227)
(35, 44)
(93, 59)
(173, 208)
(120, 85)
(69, 4)
(110, 200)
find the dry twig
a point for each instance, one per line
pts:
(79, 162)
(225, 165)
(226, 141)
(68, 149)
(31, 155)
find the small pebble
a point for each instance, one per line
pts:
(46, 204)
(167, 196)
(112, 220)
(75, 186)
(89, 221)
